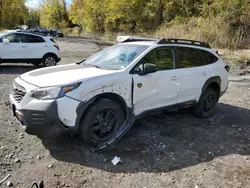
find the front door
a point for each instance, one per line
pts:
(158, 89)
(16, 49)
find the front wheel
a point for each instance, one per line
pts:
(49, 60)
(206, 106)
(101, 122)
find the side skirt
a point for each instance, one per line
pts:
(170, 108)
(20, 60)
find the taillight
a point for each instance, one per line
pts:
(56, 46)
(227, 68)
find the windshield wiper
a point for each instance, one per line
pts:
(80, 62)
(96, 66)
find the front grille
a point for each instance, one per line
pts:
(18, 92)
(18, 95)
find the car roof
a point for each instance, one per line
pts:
(146, 43)
(27, 33)
(32, 33)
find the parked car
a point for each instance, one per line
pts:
(28, 47)
(100, 97)
(56, 33)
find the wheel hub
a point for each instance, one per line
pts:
(105, 123)
(208, 103)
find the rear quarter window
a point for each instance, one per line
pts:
(34, 39)
(209, 57)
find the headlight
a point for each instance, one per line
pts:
(53, 92)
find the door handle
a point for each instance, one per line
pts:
(204, 73)
(174, 78)
(23, 46)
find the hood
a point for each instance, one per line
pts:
(61, 75)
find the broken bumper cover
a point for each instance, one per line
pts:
(41, 119)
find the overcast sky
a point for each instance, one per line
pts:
(35, 3)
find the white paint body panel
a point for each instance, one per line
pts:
(66, 109)
(192, 81)
(158, 90)
(118, 82)
(219, 70)
(13, 51)
(64, 74)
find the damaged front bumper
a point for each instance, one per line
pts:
(40, 119)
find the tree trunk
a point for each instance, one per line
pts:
(1, 10)
(159, 13)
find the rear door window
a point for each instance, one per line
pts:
(190, 57)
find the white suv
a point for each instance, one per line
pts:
(100, 97)
(27, 47)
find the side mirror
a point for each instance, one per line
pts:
(6, 41)
(148, 68)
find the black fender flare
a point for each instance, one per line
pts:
(129, 121)
(214, 79)
(83, 106)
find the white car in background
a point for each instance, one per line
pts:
(27, 47)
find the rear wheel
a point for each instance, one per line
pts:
(101, 122)
(207, 104)
(49, 60)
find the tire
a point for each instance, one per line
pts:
(207, 103)
(101, 122)
(49, 60)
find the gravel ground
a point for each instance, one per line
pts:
(167, 150)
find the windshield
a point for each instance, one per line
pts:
(116, 57)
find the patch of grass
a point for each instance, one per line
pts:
(72, 31)
(236, 59)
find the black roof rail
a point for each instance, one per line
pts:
(125, 39)
(35, 33)
(136, 40)
(183, 41)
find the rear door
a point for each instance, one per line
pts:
(158, 89)
(194, 73)
(37, 47)
(16, 49)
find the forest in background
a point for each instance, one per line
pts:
(222, 23)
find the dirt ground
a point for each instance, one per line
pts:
(167, 150)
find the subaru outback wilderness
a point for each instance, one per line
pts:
(100, 97)
(27, 47)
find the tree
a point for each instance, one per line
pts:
(12, 12)
(54, 14)
(33, 17)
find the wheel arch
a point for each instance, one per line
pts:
(214, 83)
(84, 106)
(52, 54)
